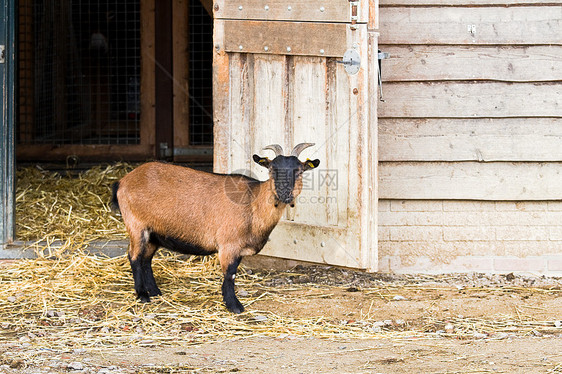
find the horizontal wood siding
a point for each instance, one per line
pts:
(473, 100)
(522, 25)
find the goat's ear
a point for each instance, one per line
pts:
(310, 164)
(262, 161)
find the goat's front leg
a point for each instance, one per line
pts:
(229, 264)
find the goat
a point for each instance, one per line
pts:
(199, 213)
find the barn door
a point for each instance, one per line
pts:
(7, 117)
(288, 72)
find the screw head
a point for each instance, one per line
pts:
(216, 7)
(266, 7)
(266, 48)
(240, 47)
(240, 7)
(322, 9)
(288, 49)
(289, 8)
(321, 51)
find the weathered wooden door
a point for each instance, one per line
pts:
(278, 78)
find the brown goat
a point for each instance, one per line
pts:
(199, 213)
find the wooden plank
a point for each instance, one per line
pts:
(147, 81)
(180, 52)
(471, 100)
(340, 167)
(312, 243)
(270, 105)
(505, 63)
(493, 25)
(309, 124)
(164, 88)
(283, 10)
(221, 102)
(470, 181)
(86, 152)
(490, 139)
(447, 3)
(292, 38)
(241, 111)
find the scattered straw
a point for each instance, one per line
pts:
(73, 209)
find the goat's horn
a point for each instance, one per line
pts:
(299, 148)
(275, 148)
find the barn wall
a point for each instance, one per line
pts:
(470, 135)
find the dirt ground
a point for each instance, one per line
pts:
(420, 324)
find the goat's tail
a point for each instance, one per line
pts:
(114, 201)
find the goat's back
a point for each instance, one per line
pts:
(185, 203)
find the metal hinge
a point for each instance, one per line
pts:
(381, 56)
(2, 54)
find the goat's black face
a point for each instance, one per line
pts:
(286, 172)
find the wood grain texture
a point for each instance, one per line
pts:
(493, 25)
(488, 139)
(283, 10)
(180, 51)
(470, 181)
(273, 37)
(147, 82)
(502, 63)
(471, 100)
(449, 3)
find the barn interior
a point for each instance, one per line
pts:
(102, 80)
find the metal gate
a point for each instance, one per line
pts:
(289, 72)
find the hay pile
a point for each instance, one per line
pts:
(74, 209)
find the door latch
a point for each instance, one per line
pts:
(381, 56)
(351, 61)
(2, 54)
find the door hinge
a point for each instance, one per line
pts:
(2, 54)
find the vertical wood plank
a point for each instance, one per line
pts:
(147, 82)
(309, 121)
(180, 52)
(371, 258)
(241, 111)
(221, 102)
(268, 125)
(339, 142)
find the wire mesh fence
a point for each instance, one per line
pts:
(200, 75)
(79, 72)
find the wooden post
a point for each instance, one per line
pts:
(163, 74)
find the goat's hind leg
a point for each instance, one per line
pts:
(140, 258)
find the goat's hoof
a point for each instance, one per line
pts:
(235, 307)
(144, 298)
(154, 292)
